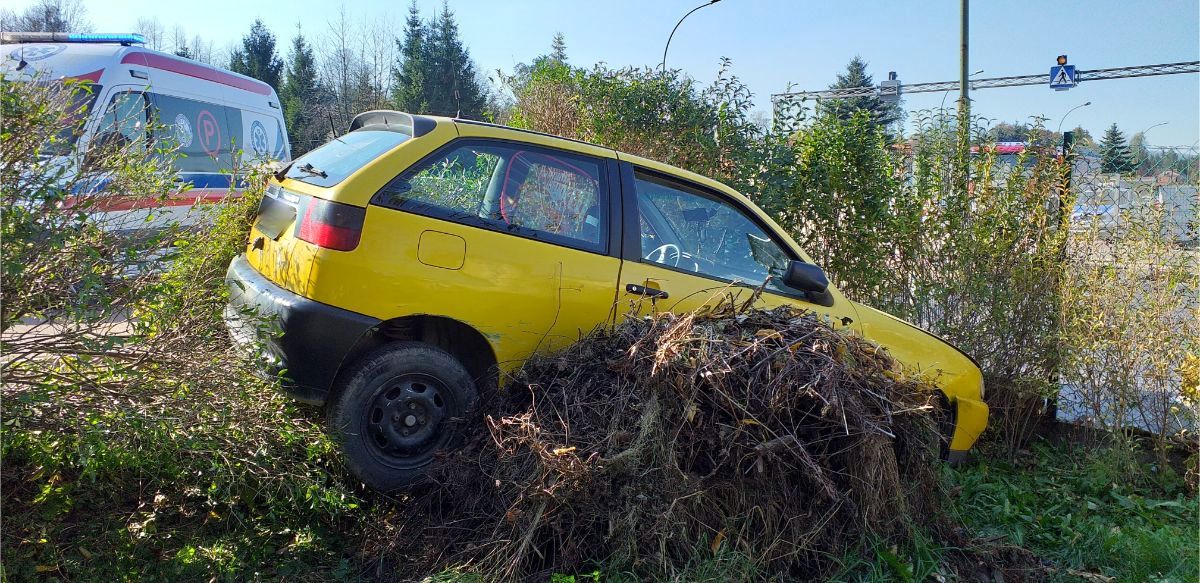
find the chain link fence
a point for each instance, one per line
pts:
(1132, 294)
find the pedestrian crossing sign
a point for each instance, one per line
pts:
(1062, 77)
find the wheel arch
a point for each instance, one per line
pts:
(460, 340)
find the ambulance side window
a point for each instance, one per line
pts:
(79, 109)
(233, 120)
(124, 122)
(200, 132)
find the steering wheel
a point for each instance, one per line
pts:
(662, 251)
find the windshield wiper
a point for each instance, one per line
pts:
(282, 172)
(313, 170)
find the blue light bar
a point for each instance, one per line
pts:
(128, 38)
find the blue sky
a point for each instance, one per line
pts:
(777, 42)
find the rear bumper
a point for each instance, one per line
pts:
(303, 341)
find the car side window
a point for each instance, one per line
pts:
(693, 232)
(524, 190)
(456, 181)
(556, 196)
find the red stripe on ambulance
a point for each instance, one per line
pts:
(165, 63)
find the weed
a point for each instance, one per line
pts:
(1082, 511)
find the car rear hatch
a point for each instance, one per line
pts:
(312, 207)
(274, 250)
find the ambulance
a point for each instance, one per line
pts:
(218, 120)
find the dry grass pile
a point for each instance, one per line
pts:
(764, 432)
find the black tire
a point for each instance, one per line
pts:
(396, 408)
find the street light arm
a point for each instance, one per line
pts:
(672, 35)
(1143, 132)
(1069, 111)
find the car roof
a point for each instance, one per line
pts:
(525, 131)
(584, 147)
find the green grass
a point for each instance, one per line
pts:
(920, 560)
(1085, 511)
(202, 493)
(132, 496)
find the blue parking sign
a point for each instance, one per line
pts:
(1062, 77)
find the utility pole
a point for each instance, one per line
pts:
(964, 99)
(963, 181)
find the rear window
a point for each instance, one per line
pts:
(343, 156)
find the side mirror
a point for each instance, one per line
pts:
(806, 277)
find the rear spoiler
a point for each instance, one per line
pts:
(395, 121)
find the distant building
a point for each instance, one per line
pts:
(1113, 198)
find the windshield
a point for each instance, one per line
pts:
(333, 162)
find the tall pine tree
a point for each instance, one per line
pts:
(1114, 152)
(303, 98)
(434, 73)
(882, 113)
(257, 56)
(408, 90)
(558, 48)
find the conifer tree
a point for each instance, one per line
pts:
(303, 96)
(257, 56)
(434, 73)
(883, 114)
(1114, 152)
(558, 48)
(408, 90)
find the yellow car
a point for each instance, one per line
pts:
(414, 261)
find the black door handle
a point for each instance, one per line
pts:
(649, 292)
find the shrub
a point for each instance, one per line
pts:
(1131, 314)
(123, 404)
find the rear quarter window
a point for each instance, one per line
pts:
(519, 189)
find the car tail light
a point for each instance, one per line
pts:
(331, 225)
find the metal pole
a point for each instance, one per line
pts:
(1068, 149)
(994, 82)
(1143, 132)
(964, 100)
(963, 129)
(1066, 202)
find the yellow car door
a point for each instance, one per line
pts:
(687, 245)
